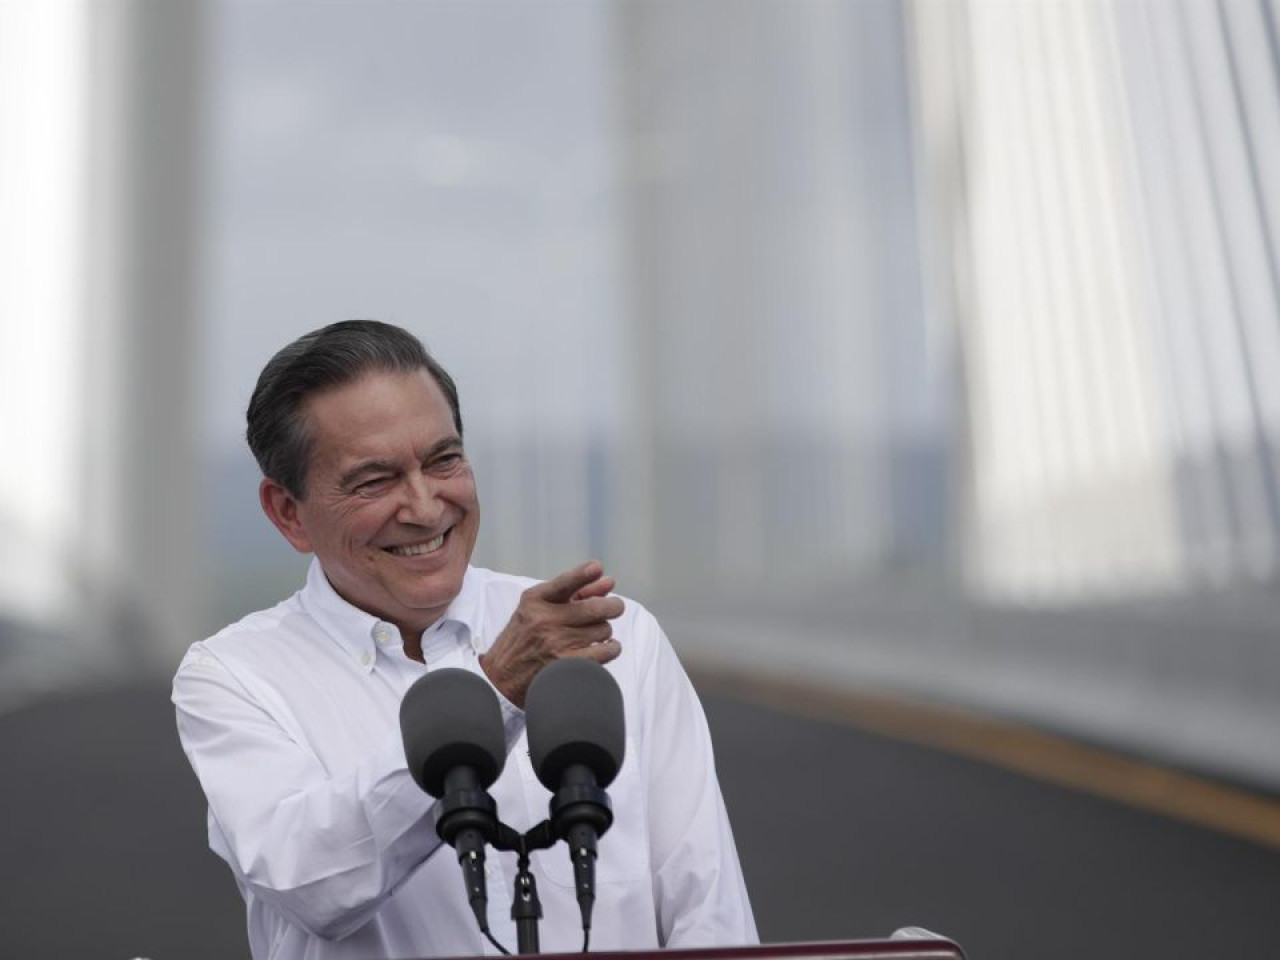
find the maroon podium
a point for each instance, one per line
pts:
(835, 950)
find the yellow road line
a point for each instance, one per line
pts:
(1042, 756)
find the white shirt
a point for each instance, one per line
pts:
(290, 719)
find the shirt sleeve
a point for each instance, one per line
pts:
(699, 891)
(325, 851)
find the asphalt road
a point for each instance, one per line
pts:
(842, 835)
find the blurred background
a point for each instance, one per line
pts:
(917, 361)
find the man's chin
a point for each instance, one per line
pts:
(431, 594)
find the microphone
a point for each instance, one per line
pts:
(577, 741)
(455, 748)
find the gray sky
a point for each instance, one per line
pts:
(446, 166)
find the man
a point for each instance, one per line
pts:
(290, 716)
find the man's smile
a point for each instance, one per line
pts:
(418, 549)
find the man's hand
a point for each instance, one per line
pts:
(567, 616)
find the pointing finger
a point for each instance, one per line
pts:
(562, 587)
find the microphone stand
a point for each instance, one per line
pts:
(526, 908)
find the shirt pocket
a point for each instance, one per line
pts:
(622, 853)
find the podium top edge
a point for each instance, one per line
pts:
(825, 950)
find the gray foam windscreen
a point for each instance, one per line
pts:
(451, 718)
(574, 715)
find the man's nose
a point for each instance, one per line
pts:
(419, 503)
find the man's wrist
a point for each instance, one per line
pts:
(501, 681)
(512, 713)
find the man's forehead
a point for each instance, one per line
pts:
(362, 418)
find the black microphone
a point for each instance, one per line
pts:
(455, 747)
(577, 740)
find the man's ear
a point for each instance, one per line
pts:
(281, 508)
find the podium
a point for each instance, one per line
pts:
(931, 949)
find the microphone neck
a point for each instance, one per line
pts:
(578, 775)
(464, 805)
(579, 799)
(462, 778)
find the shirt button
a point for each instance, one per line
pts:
(488, 870)
(382, 633)
(366, 658)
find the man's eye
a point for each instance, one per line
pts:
(373, 485)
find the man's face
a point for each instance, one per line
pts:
(390, 508)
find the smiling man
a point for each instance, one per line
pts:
(290, 716)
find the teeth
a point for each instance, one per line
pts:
(418, 549)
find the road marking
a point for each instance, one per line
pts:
(1003, 743)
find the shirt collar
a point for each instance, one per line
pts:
(358, 631)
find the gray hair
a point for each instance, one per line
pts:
(324, 359)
